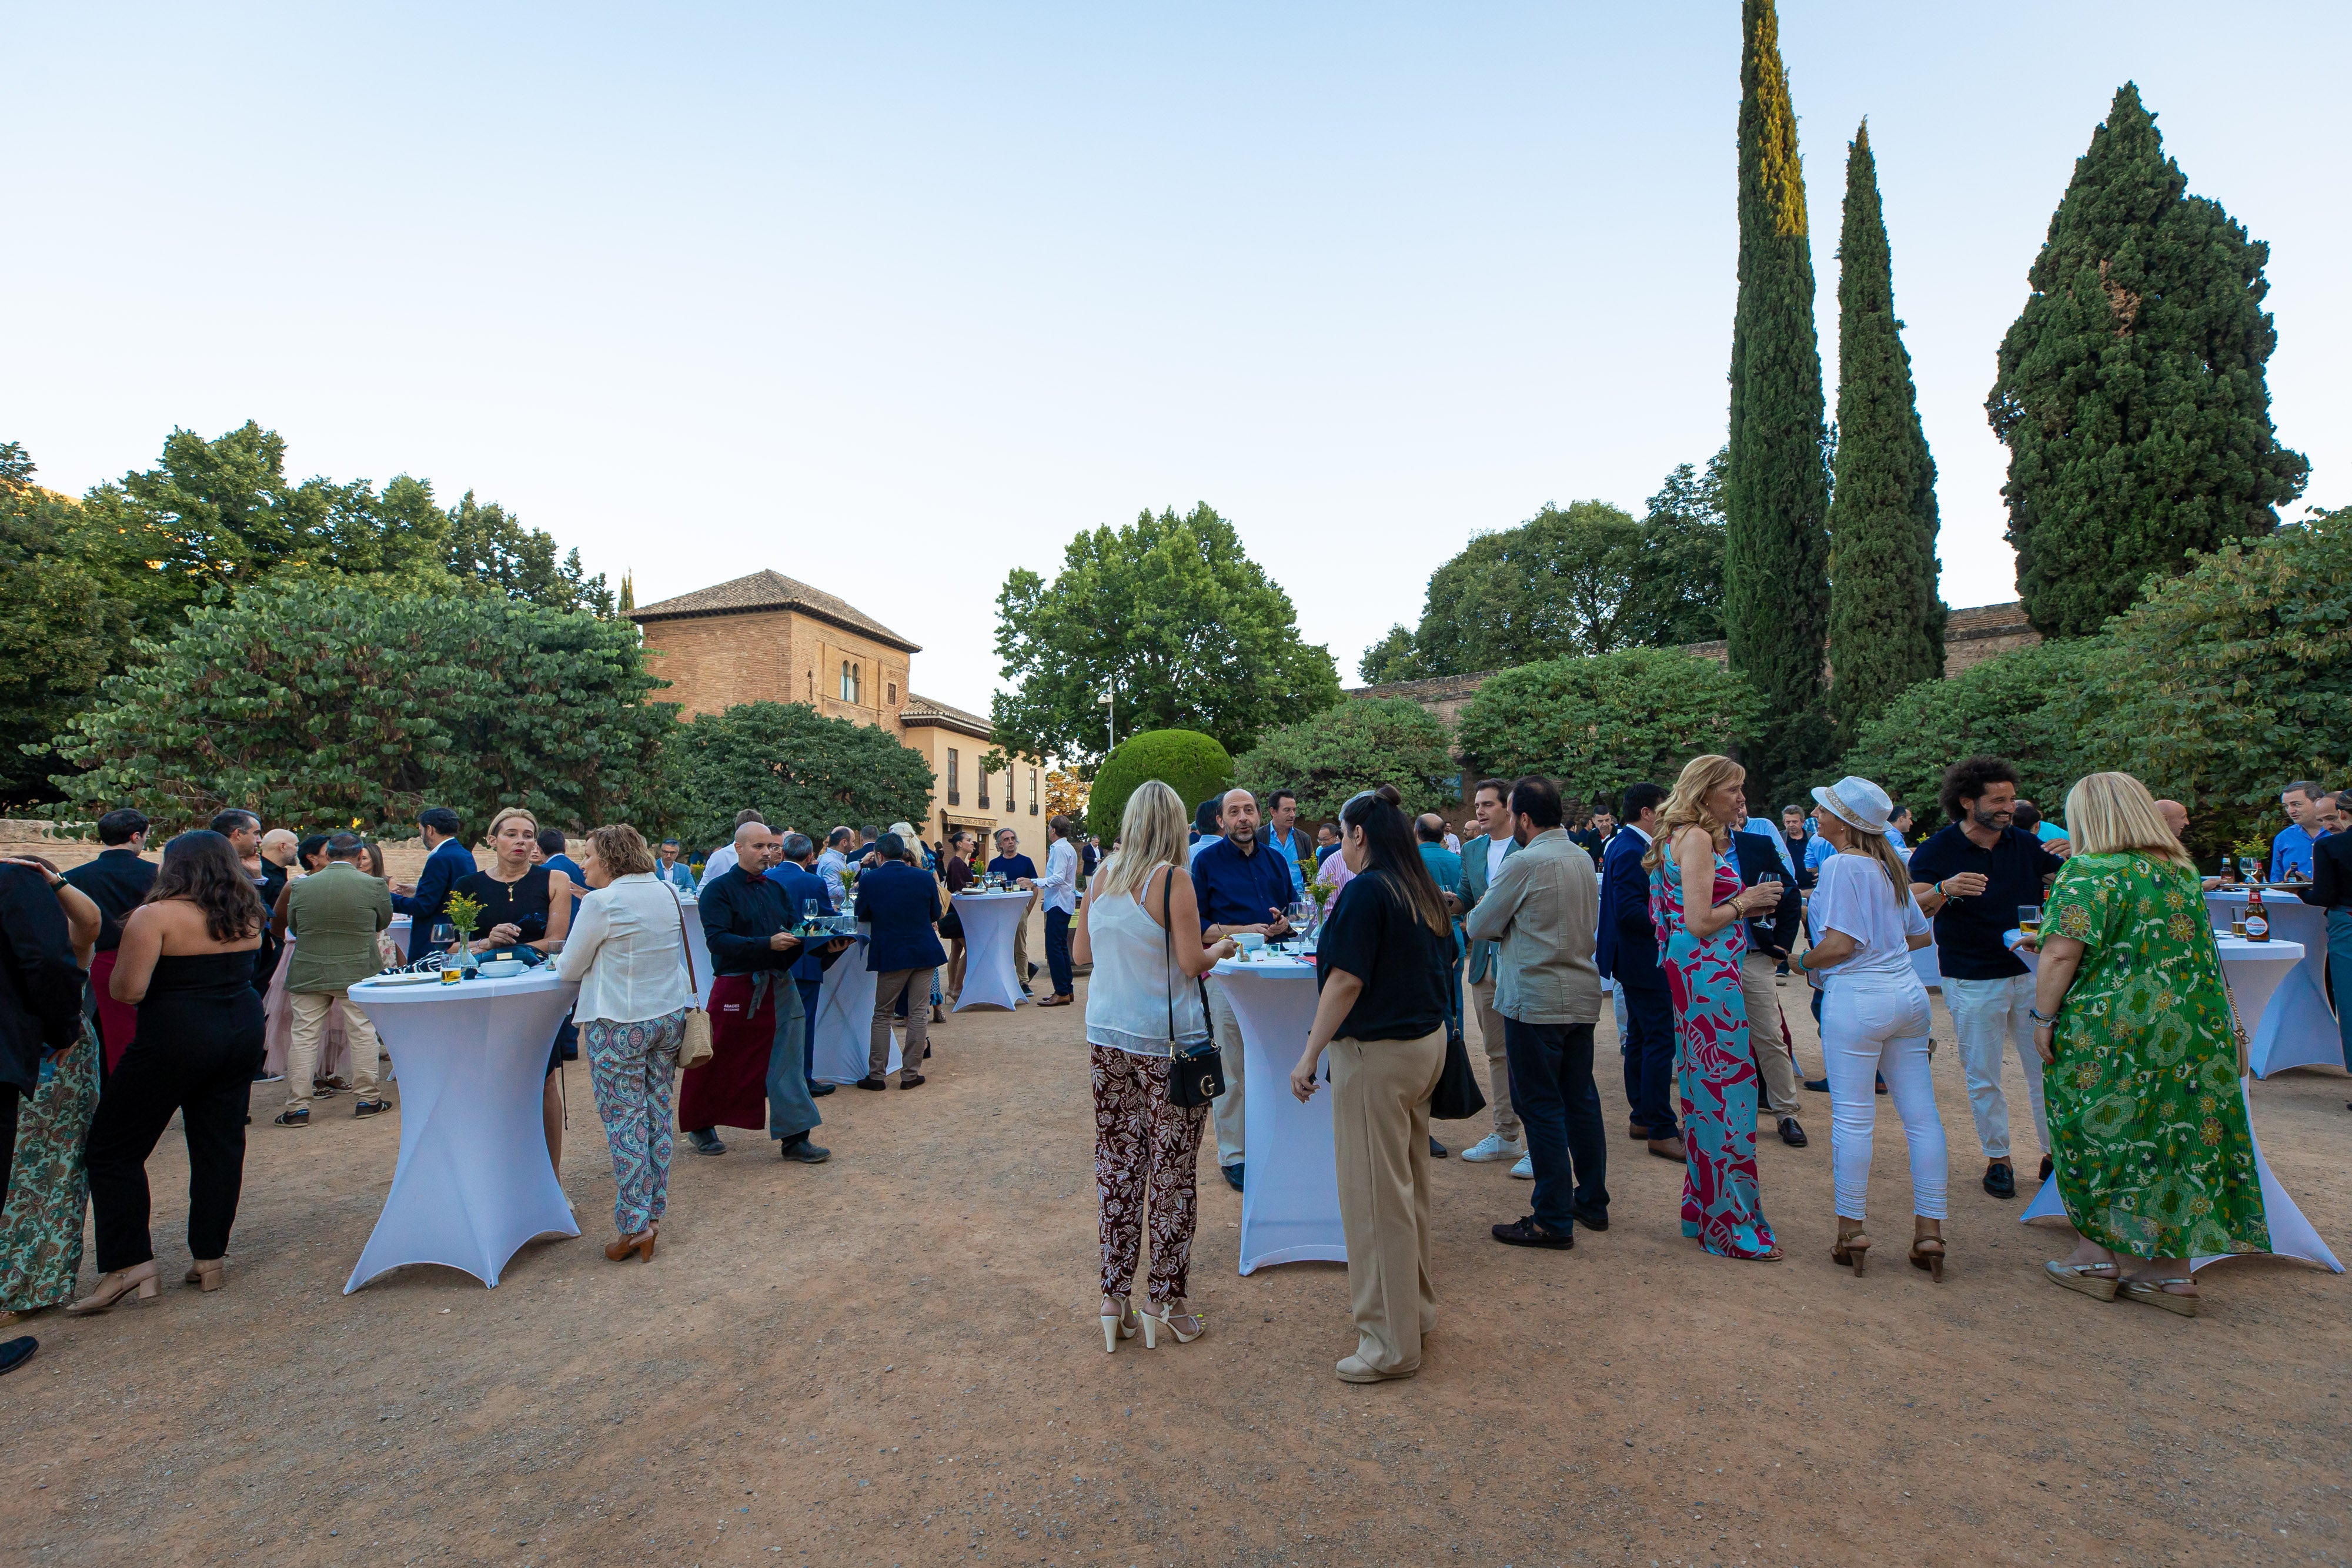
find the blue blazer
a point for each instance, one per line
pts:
(443, 867)
(799, 886)
(902, 905)
(1627, 948)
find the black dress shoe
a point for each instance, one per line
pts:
(1233, 1175)
(870, 1082)
(1792, 1134)
(1591, 1219)
(803, 1151)
(706, 1141)
(1529, 1232)
(16, 1353)
(2047, 1166)
(1999, 1180)
(819, 1091)
(1818, 1085)
(1436, 1150)
(911, 1079)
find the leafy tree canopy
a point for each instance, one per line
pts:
(1190, 763)
(61, 634)
(1599, 724)
(1357, 745)
(1390, 659)
(1172, 615)
(2132, 390)
(1676, 596)
(797, 767)
(317, 704)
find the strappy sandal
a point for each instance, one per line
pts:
(2153, 1293)
(1852, 1247)
(2084, 1277)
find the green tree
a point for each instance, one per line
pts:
(62, 634)
(320, 703)
(1676, 596)
(1391, 659)
(1357, 745)
(796, 766)
(1555, 584)
(2024, 705)
(1599, 724)
(1190, 763)
(1886, 620)
(1172, 615)
(2222, 684)
(2132, 392)
(1776, 486)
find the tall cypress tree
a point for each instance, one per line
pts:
(1776, 545)
(1886, 620)
(2132, 393)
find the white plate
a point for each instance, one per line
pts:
(426, 979)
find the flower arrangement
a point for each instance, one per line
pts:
(465, 916)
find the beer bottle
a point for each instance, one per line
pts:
(2258, 920)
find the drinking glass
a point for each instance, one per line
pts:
(808, 912)
(2029, 920)
(443, 935)
(2250, 870)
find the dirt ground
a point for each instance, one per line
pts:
(893, 1359)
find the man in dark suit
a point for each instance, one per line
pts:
(117, 882)
(445, 860)
(1770, 942)
(1627, 952)
(797, 874)
(900, 903)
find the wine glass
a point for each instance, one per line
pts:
(808, 914)
(443, 935)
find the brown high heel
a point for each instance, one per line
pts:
(1852, 1246)
(1924, 1238)
(206, 1274)
(618, 1250)
(139, 1277)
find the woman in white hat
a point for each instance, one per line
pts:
(1864, 923)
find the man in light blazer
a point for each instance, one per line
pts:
(1481, 857)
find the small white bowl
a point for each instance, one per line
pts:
(1248, 941)
(502, 969)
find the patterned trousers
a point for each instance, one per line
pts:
(632, 1067)
(1141, 1136)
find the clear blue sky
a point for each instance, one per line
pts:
(892, 298)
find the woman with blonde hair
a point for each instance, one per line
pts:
(1700, 913)
(1141, 928)
(1865, 922)
(528, 906)
(2148, 1116)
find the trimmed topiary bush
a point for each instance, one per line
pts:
(1190, 763)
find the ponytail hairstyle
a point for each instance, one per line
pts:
(1379, 815)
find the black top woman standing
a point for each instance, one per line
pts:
(527, 905)
(186, 964)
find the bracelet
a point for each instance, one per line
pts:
(1800, 961)
(2035, 1014)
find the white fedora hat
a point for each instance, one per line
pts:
(1857, 802)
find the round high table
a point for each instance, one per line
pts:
(2298, 1028)
(844, 1015)
(2255, 970)
(473, 1183)
(1290, 1184)
(990, 920)
(698, 944)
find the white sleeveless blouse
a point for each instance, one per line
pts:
(1136, 977)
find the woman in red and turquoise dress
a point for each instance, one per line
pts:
(1700, 913)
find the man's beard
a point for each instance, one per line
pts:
(1241, 838)
(1993, 819)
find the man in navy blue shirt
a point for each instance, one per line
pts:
(1972, 877)
(445, 860)
(1241, 886)
(1015, 867)
(797, 874)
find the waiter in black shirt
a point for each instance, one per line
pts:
(117, 882)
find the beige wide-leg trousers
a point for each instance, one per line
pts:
(1380, 1135)
(1772, 1058)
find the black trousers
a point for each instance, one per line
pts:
(1649, 1087)
(209, 1080)
(1552, 1092)
(1058, 949)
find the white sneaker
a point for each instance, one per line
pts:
(1493, 1146)
(1526, 1169)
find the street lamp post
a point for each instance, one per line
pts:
(1110, 701)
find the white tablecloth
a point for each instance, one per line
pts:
(699, 946)
(844, 1015)
(2255, 970)
(2298, 1028)
(473, 1184)
(990, 920)
(1290, 1184)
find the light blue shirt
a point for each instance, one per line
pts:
(2046, 830)
(678, 875)
(1290, 846)
(1817, 849)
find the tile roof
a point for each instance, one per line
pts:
(766, 589)
(921, 710)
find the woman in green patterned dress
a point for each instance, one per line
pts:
(2154, 1158)
(49, 1189)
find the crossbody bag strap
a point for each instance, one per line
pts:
(691, 977)
(1168, 954)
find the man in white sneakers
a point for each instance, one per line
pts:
(1481, 859)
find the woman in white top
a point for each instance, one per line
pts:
(1140, 929)
(1059, 889)
(626, 950)
(1864, 925)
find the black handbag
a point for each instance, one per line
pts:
(1457, 1097)
(1196, 1074)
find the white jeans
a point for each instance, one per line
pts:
(1989, 1014)
(1873, 1029)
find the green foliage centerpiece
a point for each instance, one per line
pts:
(465, 917)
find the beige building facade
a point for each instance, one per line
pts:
(768, 637)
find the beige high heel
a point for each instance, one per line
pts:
(1168, 1320)
(1852, 1246)
(1923, 1239)
(139, 1277)
(205, 1273)
(1115, 1329)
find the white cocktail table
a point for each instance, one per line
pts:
(990, 920)
(844, 1015)
(473, 1183)
(2255, 970)
(1290, 1182)
(2298, 1028)
(699, 944)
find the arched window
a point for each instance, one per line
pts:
(848, 682)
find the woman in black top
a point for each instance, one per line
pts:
(1383, 968)
(525, 905)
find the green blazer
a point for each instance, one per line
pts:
(334, 915)
(1474, 888)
